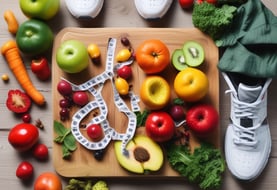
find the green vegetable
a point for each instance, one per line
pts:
(100, 185)
(204, 166)
(212, 20)
(65, 138)
(76, 184)
(34, 37)
(141, 117)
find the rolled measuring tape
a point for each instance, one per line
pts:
(95, 86)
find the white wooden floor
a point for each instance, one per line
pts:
(115, 13)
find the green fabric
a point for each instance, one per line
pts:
(251, 42)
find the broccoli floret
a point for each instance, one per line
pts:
(212, 20)
(100, 185)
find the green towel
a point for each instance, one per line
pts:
(250, 45)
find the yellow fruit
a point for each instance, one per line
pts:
(123, 55)
(191, 84)
(155, 92)
(94, 51)
(121, 86)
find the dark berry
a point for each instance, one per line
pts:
(99, 154)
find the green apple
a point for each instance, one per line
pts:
(41, 9)
(144, 155)
(72, 56)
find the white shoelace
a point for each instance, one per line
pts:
(245, 136)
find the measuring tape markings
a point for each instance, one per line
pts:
(99, 102)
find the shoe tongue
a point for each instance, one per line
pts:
(247, 93)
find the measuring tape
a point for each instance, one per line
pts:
(95, 86)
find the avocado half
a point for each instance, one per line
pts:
(144, 155)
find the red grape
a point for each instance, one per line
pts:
(80, 98)
(64, 88)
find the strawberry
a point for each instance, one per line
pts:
(25, 170)
(40, 152)
(18, 101)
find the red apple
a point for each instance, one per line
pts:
(159, 126)
(202, 119)
(124, 72)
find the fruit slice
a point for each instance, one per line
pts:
(194, 53)
(18, 101)
(178, 60)
(144, 154)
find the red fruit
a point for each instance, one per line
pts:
(18, 101)
(80, 98)
(94, 131)
(186, 4)
(159, 126)
(41, 68)
(125, 72)
(202, 119)
(64, 88)
(40, 152)
(24, 170)
(23, 136)
(26, 118)
(211, 1)
(177, 112)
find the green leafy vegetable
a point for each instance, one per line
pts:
(65, 138)
(213, 20)
(76, 184)
(204, 166)
(141, 117)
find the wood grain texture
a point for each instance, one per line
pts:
(82, 162)
(115, 13)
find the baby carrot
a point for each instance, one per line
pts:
(11, 21)
(11, 53)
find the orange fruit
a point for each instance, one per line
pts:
(152, 56)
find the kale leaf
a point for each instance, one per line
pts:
(204, 166)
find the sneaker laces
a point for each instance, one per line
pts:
(245, 136)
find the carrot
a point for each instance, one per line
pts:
(11, 53)
(11, 21)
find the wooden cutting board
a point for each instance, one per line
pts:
(82, 163)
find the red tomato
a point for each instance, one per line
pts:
(186, 4)
(23, 136)
(41, 68)
(48, 181)
(212, 1)
(152, 56)
(159, 126)
(40, 152)
(94, 131)
(24, 170)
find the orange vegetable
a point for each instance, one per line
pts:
(11, 21)
(11, 53)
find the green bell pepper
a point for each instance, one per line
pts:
(34, 37)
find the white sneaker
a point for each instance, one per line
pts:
(84, 8)
(152, 9)
(247, 140)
